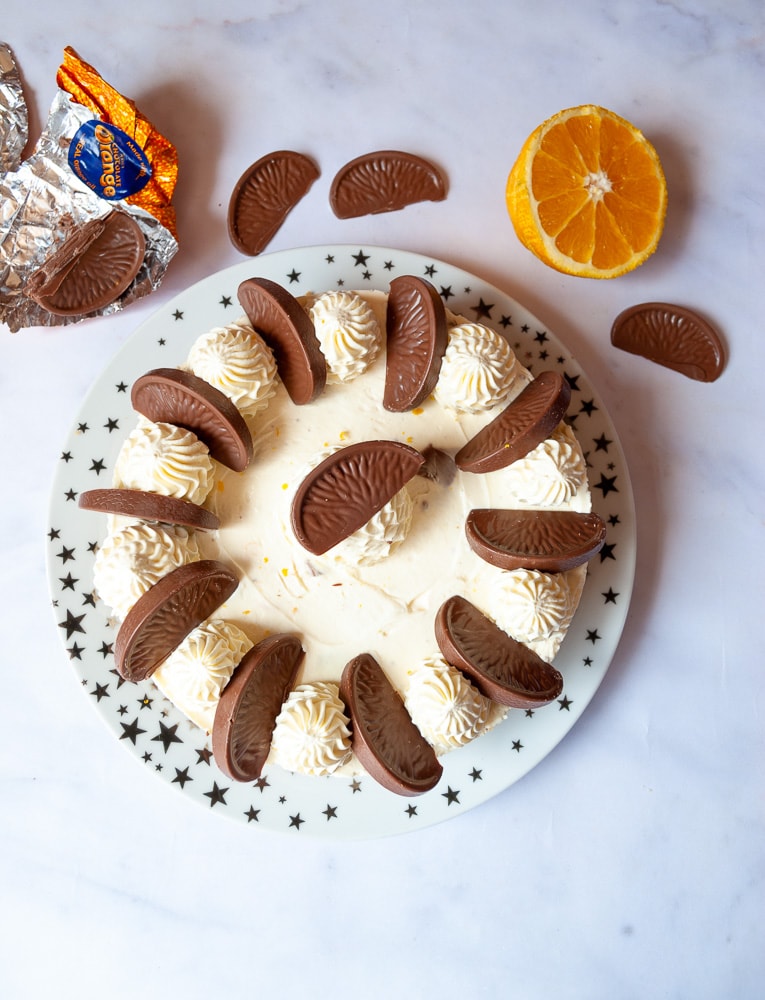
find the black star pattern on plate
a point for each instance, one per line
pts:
(296, 821)
(610, 595)
(360, 259)
(225, 301)
(541, 337)
(430, 270)
(182, 776)
(614, 519)
(294, 276)
(446, 292)
(70, 495)
(111, 424)
(122, 386)
(587, 661)
(505, 321)
(106, 649)
(573, 380)
(411, 811)
(483, 309)
(607, 484)
(588, 406)
(66, 456)
(593, 635)
(601, 443)
(161, 341)
(72, 623)
(451, 795)
(178, 314)
(216, 795)
(252, 815)
(607, 551)
(53, 534)
(75, 651)
(97, 466)
(388, 265)
(67, 582)
(330, 812)
(565, 704)
(475, 774)
(82, 428)
(132, 731)
(529, 713)
(262, 783)
(146, 702)
(204, 756)
(167, 735)
(100, 691)
(517, 746)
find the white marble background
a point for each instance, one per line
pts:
(630, 862)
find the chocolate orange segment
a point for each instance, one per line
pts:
(530, 418)
(146, 506)
(384, 181)
(264, 196)
(287, 329)
(551, 541)
(349, 487)
(161, 618)
(172, 396)
(416, 334)
(671, 336)
(384, 738)
(91, 269)
(501, 668)
(250, 702)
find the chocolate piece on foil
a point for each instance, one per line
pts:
(672, 336)
(14, 119)
(94, 265)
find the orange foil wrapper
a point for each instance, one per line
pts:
(87, 87)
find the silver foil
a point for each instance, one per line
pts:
(41, 201)
(14, 123)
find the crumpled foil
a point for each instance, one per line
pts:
(14, 123)
(42, 200)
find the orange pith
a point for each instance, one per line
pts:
(587, 194)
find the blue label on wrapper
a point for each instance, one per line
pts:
(108, 161)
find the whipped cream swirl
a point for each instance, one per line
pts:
(236, 360)
(163, 458)
(312, 732)
(551, 475)
(348, 332)
(196, 672)
(135, 557)
(380, 536)
(444, 705)
(478, 371)
(530, 605)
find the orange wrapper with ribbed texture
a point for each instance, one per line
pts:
(87, 87)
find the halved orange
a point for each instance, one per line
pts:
(587, 194)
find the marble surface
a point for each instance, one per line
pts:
(629, 863)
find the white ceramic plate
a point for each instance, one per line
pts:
(161, 739)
